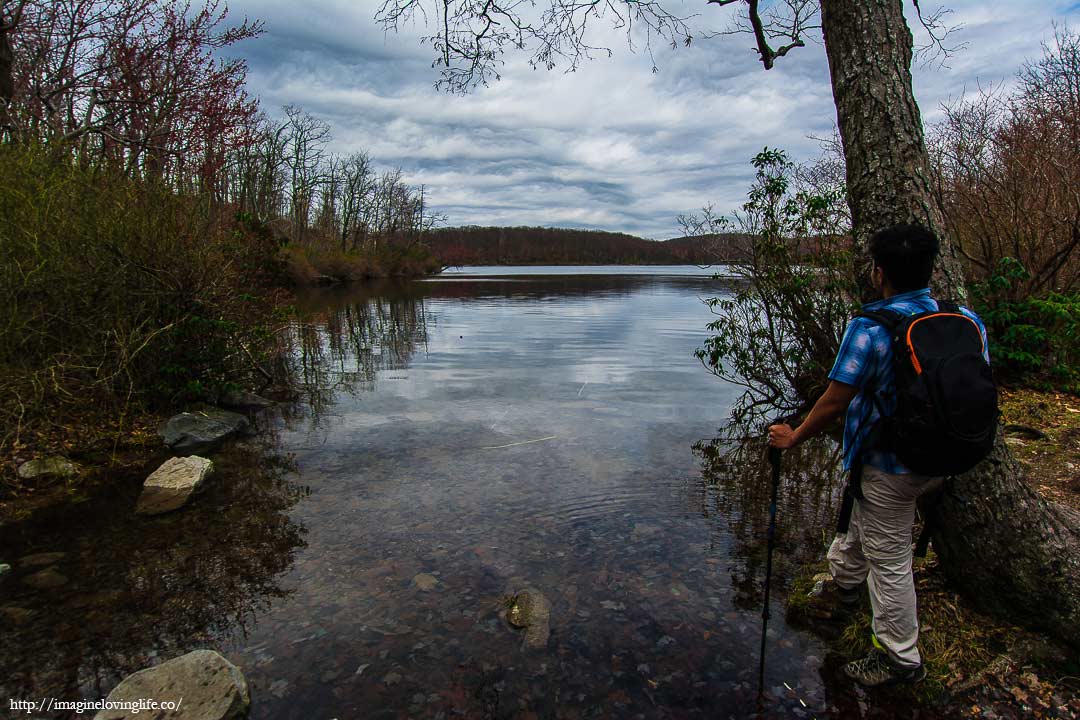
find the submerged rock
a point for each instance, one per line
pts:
(212, 688)
(51, 466)
(46, 579)
(170, 486)
(529, 609)
(245, 400)
(191, 433)
(40, 559)
(425, 581)
(16, 615)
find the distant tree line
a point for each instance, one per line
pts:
(474, 245)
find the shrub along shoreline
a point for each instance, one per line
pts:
(122, 301)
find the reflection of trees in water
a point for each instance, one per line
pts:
(531, 288)
(342, 347)
(155, 587)
(737, 486)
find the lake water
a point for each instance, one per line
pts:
(458, 439)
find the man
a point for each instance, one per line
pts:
(877, 547)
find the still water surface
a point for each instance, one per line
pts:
(457, 439)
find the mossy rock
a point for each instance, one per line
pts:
(529, 609)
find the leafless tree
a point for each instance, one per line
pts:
(1007, 168)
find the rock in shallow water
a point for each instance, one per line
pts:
(425, 581)
(40, 559)
(15, 615)
(529, 609)
(246, 401)
(212, 688)
(46, 579)
(54, 466)
(189, 433)
(170, 486)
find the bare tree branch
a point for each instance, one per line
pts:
(472, 37)
(938, 30)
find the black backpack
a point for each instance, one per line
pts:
(946, 400)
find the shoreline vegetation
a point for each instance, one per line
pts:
(125, 301)
(153, 220)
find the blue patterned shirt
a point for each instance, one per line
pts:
(865, 362)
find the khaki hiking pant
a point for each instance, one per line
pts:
(877, 548)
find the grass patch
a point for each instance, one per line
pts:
(1050, 457)
(972, 660)
(957, 643)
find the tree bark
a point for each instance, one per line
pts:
(1013, 552)
(1002, 544)
(869, 47)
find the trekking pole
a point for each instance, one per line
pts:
(774, 463)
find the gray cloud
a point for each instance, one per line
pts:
(610, 146)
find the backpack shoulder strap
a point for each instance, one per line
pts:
(889, 319)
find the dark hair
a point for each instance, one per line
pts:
(906, 253)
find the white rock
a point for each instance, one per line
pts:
(170, 486)
(212, 688)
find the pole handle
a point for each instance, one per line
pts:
(775, 453)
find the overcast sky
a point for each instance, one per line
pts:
(612, 146)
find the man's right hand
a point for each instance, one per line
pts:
(781, 436)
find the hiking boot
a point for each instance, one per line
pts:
(877, 670)
(827, 591)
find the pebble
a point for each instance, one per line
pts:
(392, 678)
(4, 568)
(15, 615)
(46, 579)
(40, 559)
(425, 581)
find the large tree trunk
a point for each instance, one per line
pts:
(869, 47)
(1007, 548)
